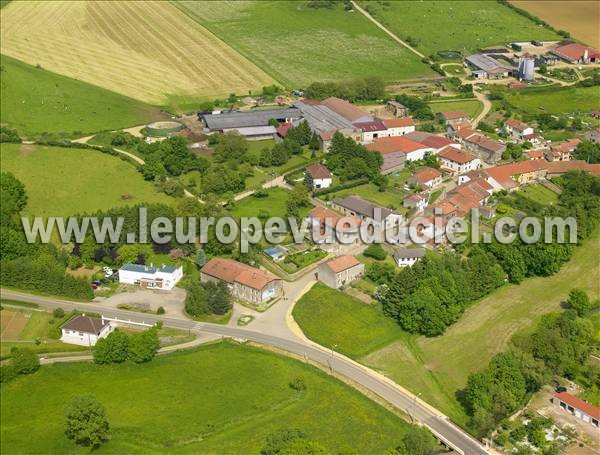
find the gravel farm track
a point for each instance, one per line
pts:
(144, 50)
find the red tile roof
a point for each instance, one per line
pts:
(574, 51)
(318, 171)
(516, 124)
(326, 135)
(427, 174)
(455, 155)
(232, 271)
(465, 133)
(436, 142)
(342, 107)
(571, 400)
(535, 154)
(283, 129)
(485, 142)
(399, 122)
(330, 218)
(453, 115)
(394, 144)
(459, 124)
(341, 263)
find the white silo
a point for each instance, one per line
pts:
(526, 67)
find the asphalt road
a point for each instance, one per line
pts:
(419, 411)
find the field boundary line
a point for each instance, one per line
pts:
(386, 30)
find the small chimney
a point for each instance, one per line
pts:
(585, 55)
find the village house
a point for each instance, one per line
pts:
(577, 53)
(427, 177)
(577, 407)
(463, 134)
(593, 136)
(535, 154)
(164, 277)
(457, 161)
(517, 130)
(398, 146)
(451, 116)
(331, 230)
(317, 176)
(84, 330)
(432, 141)
(383, 218)
(245, 282)
(396, 109)
(407, 257)
(564, 151)
(489, 150)
(453, 127)
(416, 201)
(371, 131)
(340, 271)
(399, 126)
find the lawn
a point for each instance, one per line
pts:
(461, 26)
(438, 367)
(390, 198)
(540, 194)
(335, 319)
(272, 205)
(67, 181)
(35, 100)
(149, 51)
(222, 398)
(470, 107)
(455, 69)
(555, 100)
(298, 45)
(38, 326)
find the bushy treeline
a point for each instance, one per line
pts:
(170, 157)
(432, 294)
(9, 135)
(560, 345)
(212, 297)
(32, 267)
(22, 361)
(369, 88)
(349, 160)
(119, 346)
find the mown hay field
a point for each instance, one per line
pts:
(458, 25)
(579, 18)
(147, 50)
(298, 45)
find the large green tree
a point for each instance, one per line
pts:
(86, 421)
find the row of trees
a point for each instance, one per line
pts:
(560, 345)
(367, 89)
(119, 346)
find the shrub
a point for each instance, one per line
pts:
(7, 373)
(375, 251)
(160, 310)
(58, 313)
(298, 384)
(112, 349)
(24, 361)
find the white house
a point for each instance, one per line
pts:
(457, 161)
(84, 330)
(163, 277)
(427, 178)
(317, 176)
(399, 126)
(517, 129)
(416, 201)
(407, 257)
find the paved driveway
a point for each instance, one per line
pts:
(172, 301)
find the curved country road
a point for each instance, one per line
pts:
(420, 411)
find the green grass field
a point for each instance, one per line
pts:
(439, 367)
(555, 99)
(66, 181)
(391, 197)
(539, 193)
(298, 45)
(335, 319)
(470, 107)
(274, 204)
(461, 26)
(222, 398)
(35, 100)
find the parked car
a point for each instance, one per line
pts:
(95, 285)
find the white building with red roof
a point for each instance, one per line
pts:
(517, 130)
(577, 53)
(577, 407)
(399, 126)
(371, 131)
(427, 177)
(457, 161)
(317, 176)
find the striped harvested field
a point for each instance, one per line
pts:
(148, 50)
(12, 325)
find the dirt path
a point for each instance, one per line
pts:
(487, 107)
(386, 30)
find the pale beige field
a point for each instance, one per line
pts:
(147, 50)
(580, 18)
